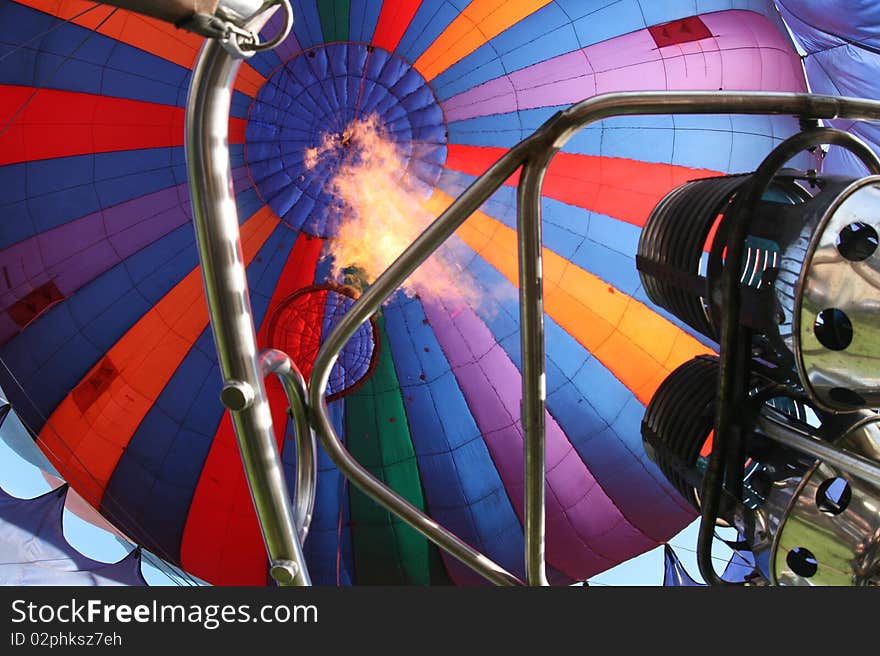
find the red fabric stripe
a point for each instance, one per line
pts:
(222, 542)
(624, 189)
(89, 430)
(47, 123)
(236, 130)
(684, 30)
(393, 21)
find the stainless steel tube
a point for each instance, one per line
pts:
(280, 365)
(177, 11)
(534, 377)
(394, 503)
(216, 223)
(567, 122)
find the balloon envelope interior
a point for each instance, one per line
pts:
(345, 142)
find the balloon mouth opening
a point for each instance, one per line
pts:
(304, 320)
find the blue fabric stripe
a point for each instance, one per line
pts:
(266, 61)
(431, 18)
(236, 156)
(600, 416)
(615, 18)
(362, 18)
(595, 242)
(307, 23)
(462, 488)
(100, 65)
(326, 540)
(55, 352)
(845, 71)
(729, 144)
(42, 195)
(240, 105)
(538, 37)
(562, 27)
(51, 357)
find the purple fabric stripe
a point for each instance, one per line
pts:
(287, 48)
(586, 532)
(747, 52)
(75, 253)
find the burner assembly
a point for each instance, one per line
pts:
(779, 436)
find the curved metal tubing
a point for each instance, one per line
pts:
(534, 376)
(567, 122)
(538, 148)
(283, 33)
(225, 279)
(278, 363)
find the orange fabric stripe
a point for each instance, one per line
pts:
(142, 32)
(87, 444)
(632, 341)
(480, 21)
(249, 80)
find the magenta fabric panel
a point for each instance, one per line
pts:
(746, 52)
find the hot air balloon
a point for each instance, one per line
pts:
(367, 121)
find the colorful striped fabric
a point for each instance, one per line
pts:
(104, 333)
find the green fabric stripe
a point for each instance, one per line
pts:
(386, 550)
(334, 19)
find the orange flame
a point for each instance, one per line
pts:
(382, 212)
